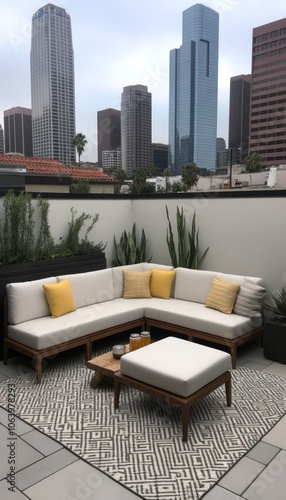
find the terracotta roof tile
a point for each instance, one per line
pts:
(45, 166)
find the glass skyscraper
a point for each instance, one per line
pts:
(193, 91)
(52, 85)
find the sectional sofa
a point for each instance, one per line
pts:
(48, 316)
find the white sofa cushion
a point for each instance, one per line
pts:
(198, 317)
(90, 288)
(47, 332)
(118, 278)
(176, 365)
(27, 301)
(194, 285)
(161, 267)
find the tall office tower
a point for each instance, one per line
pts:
(1, 140)
(136, 128)
(268, 93)
(160, 157)
(108, 131)
(222, 154)
(18, 131)
(52, 85)
(239, 115)
(193, 91)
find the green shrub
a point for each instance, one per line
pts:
(18, 241)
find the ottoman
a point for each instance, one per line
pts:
(176, 371)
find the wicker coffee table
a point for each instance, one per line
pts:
(104, 366)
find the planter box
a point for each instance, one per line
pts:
(274, 341)
(28, 271)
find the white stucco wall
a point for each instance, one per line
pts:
(245, 235)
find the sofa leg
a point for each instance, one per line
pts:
(88, 350)
(233, 352)
(38, 369)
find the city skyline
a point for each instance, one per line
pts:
(121, 44)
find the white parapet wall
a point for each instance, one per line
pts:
(246, 235)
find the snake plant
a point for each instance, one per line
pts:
(188, 244)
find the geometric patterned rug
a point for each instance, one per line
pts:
(140, 444)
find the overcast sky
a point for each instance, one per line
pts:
(123, 42)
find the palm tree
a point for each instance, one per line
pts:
(79, 142)
(190, 175)
(253, 162)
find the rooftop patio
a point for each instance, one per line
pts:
(245, 233)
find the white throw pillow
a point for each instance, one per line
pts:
(249, 299)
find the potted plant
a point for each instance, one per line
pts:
(274, 339)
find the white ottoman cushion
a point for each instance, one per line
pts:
(176, 365)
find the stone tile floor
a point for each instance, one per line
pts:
(47, 470)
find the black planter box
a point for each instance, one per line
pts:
(28, 271)
(274, 341)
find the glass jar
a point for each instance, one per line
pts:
(134, 342)
(145, 338)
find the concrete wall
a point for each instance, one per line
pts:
(245, 235)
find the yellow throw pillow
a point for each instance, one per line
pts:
(161, 283)
(136, 284)
(59, 297)
(222, 295)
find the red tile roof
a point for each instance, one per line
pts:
(45, 166)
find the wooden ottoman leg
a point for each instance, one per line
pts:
(228, 390)
(185, 412)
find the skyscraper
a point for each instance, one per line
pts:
(52, 85)
(268, 93)
(18, 131)
(239, 114)
(136, 128)
(108, 131)
(1, 140)
(193, 91)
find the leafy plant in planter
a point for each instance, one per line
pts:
(274, 340)
(277, 305)
(20, 243)
(188, 244)
(128, 251)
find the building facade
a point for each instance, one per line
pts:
(52, 85)
(239, 115)
(111, 159)
(1, 140)
(18, 131)
(268, 93)
(108, 132)
(193, 91)
(160, 157)
(136, 128)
